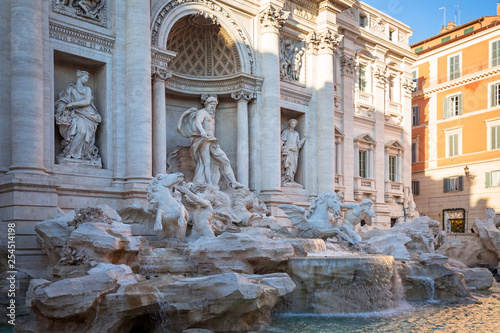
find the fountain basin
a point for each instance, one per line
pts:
(343, 284)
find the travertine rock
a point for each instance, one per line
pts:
(475, 278)
(468, 249)
(489, 233)
(240, 253)
(387, 243)
(53, 234)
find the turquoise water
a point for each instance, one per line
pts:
(415, 317)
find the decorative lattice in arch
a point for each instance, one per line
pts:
(203, 48)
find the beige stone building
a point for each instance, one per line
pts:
(340, 67)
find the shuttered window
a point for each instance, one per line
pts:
(455, 183)
(415, 187)
(495, 53)
(415, 115)
(495, 95)
(495, 137)
(414, 152)
(452, 106)
(492, 179)
(453, 145)
(454, 67)
(362, 78)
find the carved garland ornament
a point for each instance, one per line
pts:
(214, 7)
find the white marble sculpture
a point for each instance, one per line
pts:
(291, 56)
(92, 9)
(291, 143)
(77, 118)
(353, 216)
(211, 161)
(410, 212)
(202, 216)
(320, 220)
(165, 203)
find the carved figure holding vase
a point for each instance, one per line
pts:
(353, 216)
(78, 118)
(211, 161)
(291, 143)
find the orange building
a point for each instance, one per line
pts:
(456, 123)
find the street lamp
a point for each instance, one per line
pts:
(467, 173)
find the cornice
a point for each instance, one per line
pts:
(215, 85)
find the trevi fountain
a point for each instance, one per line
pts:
(201, 166)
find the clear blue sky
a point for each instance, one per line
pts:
(425, 17)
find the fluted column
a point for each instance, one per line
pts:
(272, 21)
(160, 76)
(327, 42)
(242, 97)
(138, 92)
(27, 85)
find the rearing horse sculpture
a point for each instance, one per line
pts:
(320, 219)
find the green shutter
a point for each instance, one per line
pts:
(455, 145)
(466, 31)
(495, 137)
(492, 95)
(494, 54)
(488, 179)
(445, 108)
(460, 104)
(418, 115)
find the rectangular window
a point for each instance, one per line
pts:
(466, 31)
(392, 35)
(363, 163)
(452, 106)
(419, 49)
(415, 115)
(445, 39)
(337, 159)
(414, 152)
(362, 21)
(391, 88)
(455, 183)
(495, 53)
(495, 94)
(454, 67)
(415, 187)
(392, 168)
(452, 145)
(494, 137)
(362, 78)
(493, 178)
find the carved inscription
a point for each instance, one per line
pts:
(299, 11)
(81, 38)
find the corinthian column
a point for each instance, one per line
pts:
(242, 97)
(272, 21)
(27, 85)
(327, 42)
(160, 76)
(138, 92)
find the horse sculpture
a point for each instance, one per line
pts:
(165, 203)
(320, 220)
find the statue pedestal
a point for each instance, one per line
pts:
(291, 193)
(77, 162)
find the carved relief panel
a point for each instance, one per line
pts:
(93, 11)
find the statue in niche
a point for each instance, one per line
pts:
(291, 143)
(353, 216)
(77, 118)
(211, 161)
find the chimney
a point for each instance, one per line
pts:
(498, 8)
(451, 25)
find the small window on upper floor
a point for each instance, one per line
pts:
(466, 31)
(362, 78)
(392, 35)
(363, 21)
(414, 152)
(414, 77)
(415, 187)
(452, 106)
(495, 53)
(455, 183)
(454, 66)
(494, 94)
(419, 49)
(445, 39)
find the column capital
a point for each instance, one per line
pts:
(349, 65)
(273, 19)
(160, 74)
(243, 95)
(326, 42)
(409, 86)
(381, 77)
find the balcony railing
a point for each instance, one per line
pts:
(339, 180)
(364, 98)
(364, 183)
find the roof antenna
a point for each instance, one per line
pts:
(459, 10)
(444, 16)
